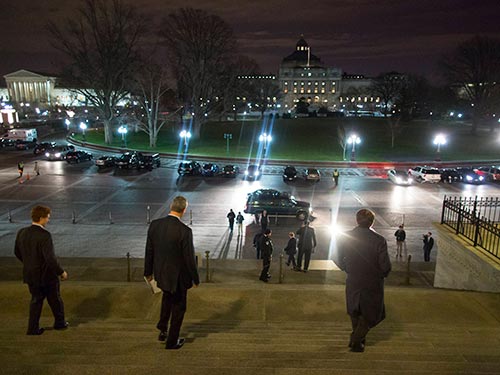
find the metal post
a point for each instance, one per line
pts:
(148, 215)
(190, 217)
(207, 258)
(281, 269)
(128, 268)
(110, 218)
(73, 217)
(408, 271)
(9, 216)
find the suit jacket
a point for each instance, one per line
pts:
(291, 247)
(170, 254)
(266, 247)
(307, 238)
(35, 249)
(362, 254)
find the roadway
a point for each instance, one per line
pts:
(105, 213)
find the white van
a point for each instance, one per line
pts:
(29, 135)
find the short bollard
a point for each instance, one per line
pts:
(110, 218)
(207, 258)
(408, 271)
(190, 217)
(148, 215)
(73, 217)
(9, 216)
(281, 276)
(129, 278)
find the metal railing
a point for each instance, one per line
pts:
(477, 219)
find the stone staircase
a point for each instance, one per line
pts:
(250, 329)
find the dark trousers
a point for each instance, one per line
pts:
(266, 265)
(291, 260)
(427, 255)
(38, 294)
(257, 249)
(173, 307)
(360, 329)
(231, 224)
(306, 254)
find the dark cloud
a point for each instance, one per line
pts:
(364, 36)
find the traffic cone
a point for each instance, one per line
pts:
(27, 177)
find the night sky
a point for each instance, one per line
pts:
(358, 36)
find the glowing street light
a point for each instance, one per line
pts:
(439, 140)
(185, 135)
(83, 126)
(266, 139)
(354, 140)
(227, 137)
(123, 131)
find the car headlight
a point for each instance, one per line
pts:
(257, 173)
(310, 209)
(481, 178)
(468, 178)
(58, 155)
(246, 173)
(399, 180)
(47, 154)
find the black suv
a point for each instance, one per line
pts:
(40, 148)
(209, 170)
(106, 162)
(450, 175)
(150, 161)
(129, 160)
(189, 167)
(77, 156)
(276, 202)
(289, 173)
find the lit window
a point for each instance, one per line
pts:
(315, 83)
(322, 90)
(285, 91)
(308, 74)
(323, 83)
(308, 91)
(302, 83)
(333, 91)
(308, 83)
(294, 91)
(295, 83)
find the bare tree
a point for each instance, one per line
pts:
(100, 43)
(387, 87)
(342, 139)
(474, 68)
(200, 47)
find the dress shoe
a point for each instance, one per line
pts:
(162, 336)
(264, 280)
(305, 271)
(180, 343)
(362, 342)
(297, 269)
(357, 347)
(38, 332)
(60, 327)
(287, 264)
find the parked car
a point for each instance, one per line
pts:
(24, 145)
(276, 202)
(209, 170)
(490, 173)
(129, 160)
(149, 161)
(311, 174)
(189, 168)
(7, 142)
(470, 176)
(289, 173)
(77, 156)
(106, 161)
(425, 174)
(230, 171)
(41, 148)
(58, 152)
(253, 172)
(398, 177)
(450, 175)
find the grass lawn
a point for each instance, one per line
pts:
(315, 139)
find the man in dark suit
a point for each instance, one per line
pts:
(266, 246)
(41, 270)
(362, 254)
(170, 258)
(307, 242)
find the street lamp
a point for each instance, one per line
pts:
(266, 139)
(354, 140)
(439, 140)
(83, 126)
(227, 137)
(123, 131)
(185, 135)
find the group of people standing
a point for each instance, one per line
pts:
(400, 235)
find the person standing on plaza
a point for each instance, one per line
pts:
(231, 216)
(336, 175)
(256, 244)
(36, 169)
(20, 168)
(307, 243)
(41, 270)
(266, 246)
(400, 235)
(428, 245)
(362, 254)
(291, 250)
(170, 259)
(264, 221)
(239, 222)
